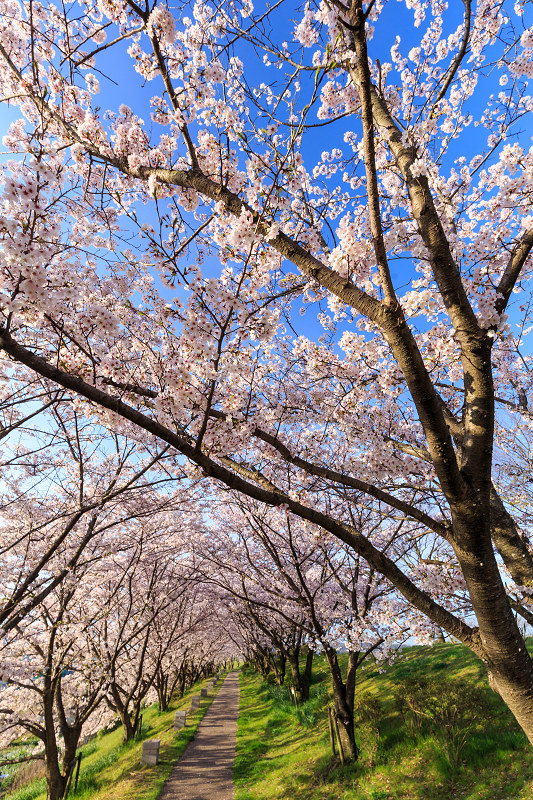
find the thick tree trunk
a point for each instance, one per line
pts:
(55, 783)
(343, 701)
(501, 645)
(127, 725)
(55, 780)
(71, 740)
(58, 770)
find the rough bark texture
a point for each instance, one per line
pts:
(343, 696)
(297, 683)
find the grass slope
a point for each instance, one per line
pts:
(283, 752)
(111, 770)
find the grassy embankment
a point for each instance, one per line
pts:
(471, 749)
(112, 771)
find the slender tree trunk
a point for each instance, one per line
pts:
(307, 673)
(276, 666)
(121, 708)
(262, 664)
(282, 666)
(182, 680)
(55, 781)
(293, 655)
(162, 689)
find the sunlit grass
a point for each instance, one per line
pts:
(283, 752)
(112, 771)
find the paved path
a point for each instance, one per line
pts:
(205, 770)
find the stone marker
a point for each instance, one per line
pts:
(180, 719)
(195, 703)
(203, 692)
(150, 754)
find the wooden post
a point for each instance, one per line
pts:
(339, 741)
(75, 766)
(77, 772)
(69, 780)
(331, 735)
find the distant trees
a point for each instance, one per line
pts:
(296, 590)
(96, 594)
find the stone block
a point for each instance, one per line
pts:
(150, 753)
(203, 692)
(195, 703)
(180, 719)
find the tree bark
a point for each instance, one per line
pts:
(504, 650)
(343, 697)
(118, 705)
(307, 673)
(293, 655)
(281, 668)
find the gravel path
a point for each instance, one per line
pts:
(205, 770)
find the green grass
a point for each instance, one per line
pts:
(112, 771)
(284, 752)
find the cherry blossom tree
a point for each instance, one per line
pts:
(52, 684)
(74, 537)
(142, 623)
(408, 242)
(63, 485)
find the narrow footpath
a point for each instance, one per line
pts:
(205, 770)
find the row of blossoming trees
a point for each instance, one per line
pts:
(337, 332)
(101, 611)
(123, 583)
